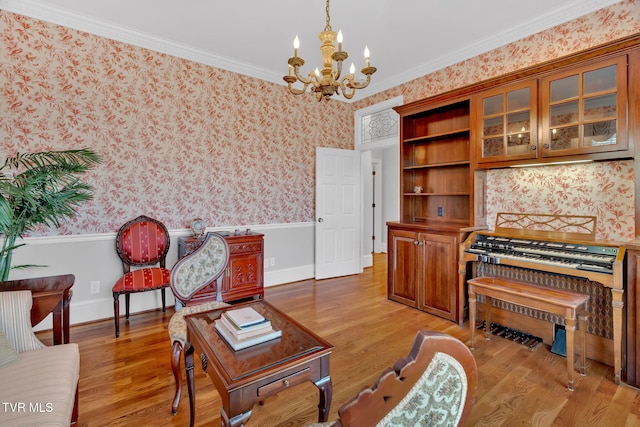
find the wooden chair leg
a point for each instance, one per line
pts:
(116, 312)
(176, 351)
(164, 299)
(126, 302)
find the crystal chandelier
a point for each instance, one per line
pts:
(327, 81)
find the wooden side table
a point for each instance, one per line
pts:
(244, 275)
(53, 294)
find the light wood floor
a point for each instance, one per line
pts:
(128, 381)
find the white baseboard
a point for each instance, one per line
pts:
(288, 275)
(102, 308)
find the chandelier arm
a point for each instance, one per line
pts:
(345, 85)
(337, 72)
(357, 85)
(309, 80)
(296, 91)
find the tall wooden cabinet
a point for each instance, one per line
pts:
(438, 187)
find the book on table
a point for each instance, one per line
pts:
(244, 317)
(247, 341)
(247, 331)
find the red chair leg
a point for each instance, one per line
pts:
(175, 367)
(116, 312)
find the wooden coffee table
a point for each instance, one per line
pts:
(247, 376)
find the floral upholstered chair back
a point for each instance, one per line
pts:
(190, 275)
(200, 268)
(434, 385)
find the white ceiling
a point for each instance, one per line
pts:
(407, 38)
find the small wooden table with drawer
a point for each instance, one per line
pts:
(250, 375)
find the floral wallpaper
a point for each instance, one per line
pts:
(179, 139)
(602, 189)
(182, 140)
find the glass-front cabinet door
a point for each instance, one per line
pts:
(508, 123)
(584, 109)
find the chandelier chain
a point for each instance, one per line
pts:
(328, 26)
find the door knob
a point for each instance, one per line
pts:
(320, 219)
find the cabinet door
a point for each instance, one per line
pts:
(402, 271)
(507, 123)
(439, 286)
(244, 274)
(584, 109)
(244, 277)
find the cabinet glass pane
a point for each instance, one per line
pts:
(600, 80)
(519, 144)
(600, 107)
(563, 138)
(564, 88)
(564, 113)
(518, 99)
(493, 126)
(599, 133)
(518, 122)
(493, 105)
(492, 147)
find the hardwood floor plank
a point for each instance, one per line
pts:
(128, 381)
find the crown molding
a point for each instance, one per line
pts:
(77, 21)
(56, 15)
(571, 11)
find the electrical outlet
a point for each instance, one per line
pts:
(94, 287)
(272, 262)
(440, 211)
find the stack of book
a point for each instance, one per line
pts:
(245, 327)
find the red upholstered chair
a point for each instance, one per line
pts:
(141, 242)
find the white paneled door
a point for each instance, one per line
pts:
(338, 213)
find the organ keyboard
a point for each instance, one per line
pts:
(577, 256)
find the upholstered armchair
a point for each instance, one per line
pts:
(38, 383)
(191, 274)
(434, 386)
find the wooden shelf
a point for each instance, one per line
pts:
(439, 194)
(437, 136)
(437, 165)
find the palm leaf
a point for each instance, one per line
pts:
(38, 189)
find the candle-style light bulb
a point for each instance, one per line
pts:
(317, 72)
(352, 69)
(340, 41)
(366, 55)
(296, 45)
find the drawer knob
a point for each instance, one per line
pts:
(286, 383)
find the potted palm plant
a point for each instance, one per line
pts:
(42, 188)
